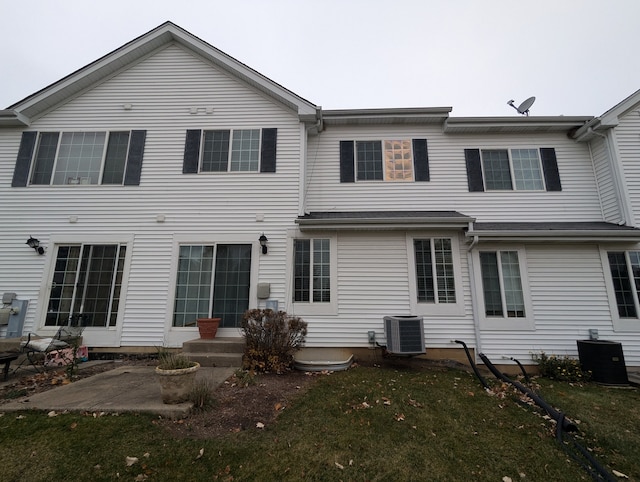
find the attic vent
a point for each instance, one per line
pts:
(405, 335)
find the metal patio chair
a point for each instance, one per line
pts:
(55, 351)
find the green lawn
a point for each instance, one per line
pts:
(363, 424)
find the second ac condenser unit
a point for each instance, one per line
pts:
(405, 335)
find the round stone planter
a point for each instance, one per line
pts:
(208, 327)
(176, 385)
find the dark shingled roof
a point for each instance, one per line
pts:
(554, 226)
(382, 215)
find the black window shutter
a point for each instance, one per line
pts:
(550, 168)
(347, 164)
(23, 162)
(191, 151)
(134, 158)
(474, 170)
(268, 150)
(420, 160)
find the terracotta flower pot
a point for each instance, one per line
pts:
(208, 327)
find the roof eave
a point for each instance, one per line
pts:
(416, 115)
(389, 223)
(472, 125)
(556, 235)
(11, 118)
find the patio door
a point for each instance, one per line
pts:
(87, 281)
(213, 281)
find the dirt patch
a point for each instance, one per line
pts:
(239, 406)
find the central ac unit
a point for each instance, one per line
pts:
(405, 335)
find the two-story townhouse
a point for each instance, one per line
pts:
(151, 175)
(148, 178)
(491, 229)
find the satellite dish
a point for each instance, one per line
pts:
(524, 107)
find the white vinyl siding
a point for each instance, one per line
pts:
(569, 296)
(448, 187)
(161, 89)
(626, 136)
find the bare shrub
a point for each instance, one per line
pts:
(271, 338)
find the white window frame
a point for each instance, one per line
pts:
(619, 324)
(435, 308)
(310, 307)
(382, 142)
(512, 168)
(230, 150)
(175, 336)
(503, 323)
(109, 335)
(57, 154)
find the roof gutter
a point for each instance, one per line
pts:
(554, 235)
(383, 223)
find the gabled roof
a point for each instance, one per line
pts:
(37, 104)
(609, 119)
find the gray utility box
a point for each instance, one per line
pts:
(605, 360)
(405, 335)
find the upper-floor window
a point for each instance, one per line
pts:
(384, 160)
(79, 158)
(512, 169)
(230, 150)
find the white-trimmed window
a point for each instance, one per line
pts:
(213, 280)
(435, 274)
(625, 274)
(230, 150)
(512, 169)
(87, 280)
(314, 272)
(435, 279)
(80, 158)
(502, 286)
(388, 160)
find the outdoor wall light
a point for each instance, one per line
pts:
(35, 244)
(263, 242)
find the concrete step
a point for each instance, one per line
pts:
(217, 345)
(217, 359)
(634, 377)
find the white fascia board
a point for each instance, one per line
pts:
(487, 124)
(411, 115)
(11, 118)
(383, 224)
(148, 43)
(555, 235)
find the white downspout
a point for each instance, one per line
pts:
(474, 295)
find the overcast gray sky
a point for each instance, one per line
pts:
(578, 57)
